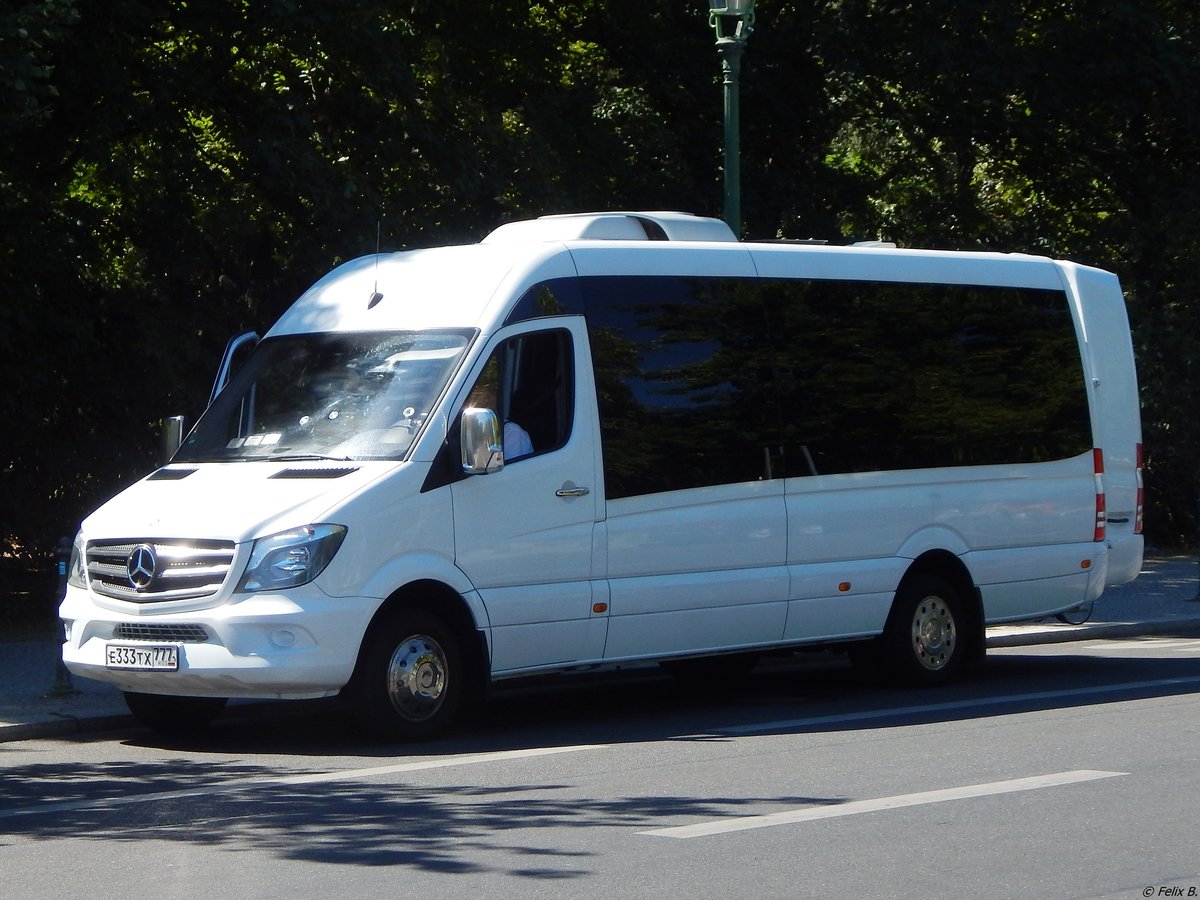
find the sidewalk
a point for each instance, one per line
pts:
(34, 703)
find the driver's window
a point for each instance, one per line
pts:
(528, 383)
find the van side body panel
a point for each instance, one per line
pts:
(1023, 530)
(699, 569)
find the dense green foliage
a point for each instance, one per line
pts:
(175, 170)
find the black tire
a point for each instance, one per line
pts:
(174, 716)
(411, 680)
(925, 641)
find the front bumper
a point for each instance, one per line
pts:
(298, 645)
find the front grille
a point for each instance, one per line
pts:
(154, 571)
(175, 634)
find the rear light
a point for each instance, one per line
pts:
(1141, 496)
(1098, 476)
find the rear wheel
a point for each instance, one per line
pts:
(175, 716)
(411, 679)
(923, 641)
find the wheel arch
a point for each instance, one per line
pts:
(950, 567)
(438, 599)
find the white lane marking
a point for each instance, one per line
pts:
(973, 703)
(287, 780)
(809, 814)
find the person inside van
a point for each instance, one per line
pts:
(517, 443)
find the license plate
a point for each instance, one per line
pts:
(153, 659)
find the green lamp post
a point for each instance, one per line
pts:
(732, 20)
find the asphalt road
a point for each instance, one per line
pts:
(1061, 771)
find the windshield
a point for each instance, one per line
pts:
(361, 395)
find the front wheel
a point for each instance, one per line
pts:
(924, 641)
(174, 716)
(411, 680)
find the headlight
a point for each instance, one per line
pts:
(291, 558)
(76, 569)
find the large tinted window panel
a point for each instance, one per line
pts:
(712, 381)
(899, 376)
(685, 389)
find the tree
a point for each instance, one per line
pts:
(1065, 127)
(175, 172)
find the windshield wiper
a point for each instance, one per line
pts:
(298, 457)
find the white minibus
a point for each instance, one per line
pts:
(602, 440)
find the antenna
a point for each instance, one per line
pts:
(375, 295)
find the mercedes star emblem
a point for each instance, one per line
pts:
(142, 566)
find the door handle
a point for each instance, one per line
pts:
(572, 491)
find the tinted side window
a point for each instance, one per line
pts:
(713, 381)
(556, 297)
(683, 402)
(902, 376)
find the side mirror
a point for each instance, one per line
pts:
(482, 442)
(173, 433)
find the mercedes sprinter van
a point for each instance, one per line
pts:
(607, 439)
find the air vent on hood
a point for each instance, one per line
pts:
(170, 474)
(325, 472)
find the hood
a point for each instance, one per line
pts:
(232, 501)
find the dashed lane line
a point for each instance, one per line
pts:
(838, 810)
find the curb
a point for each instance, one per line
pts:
(65, 726)
(1030, 635)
